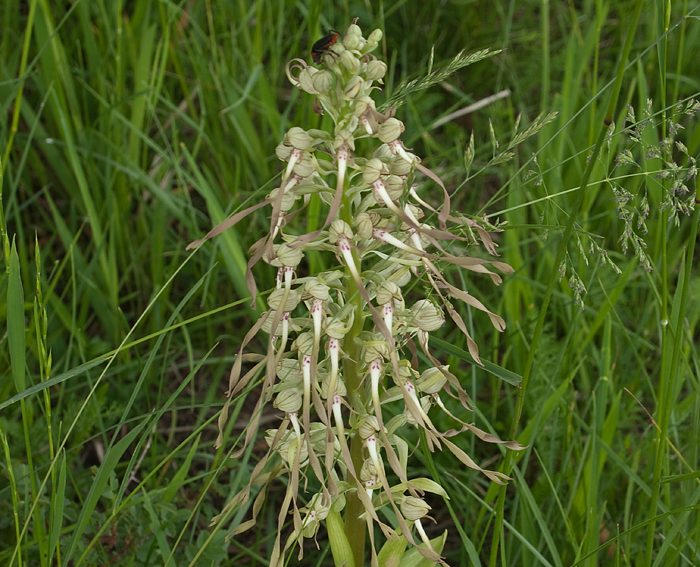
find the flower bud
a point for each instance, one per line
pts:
(353, 37)
(279, 329)
(304, 344)
(394, 186)
(414, 212)
(375, 347)
(270, 437)
(368, 426)
(283, 151)
(390, 130)
(363, 225)
(362, 103)
(317, 289)
(337, 328)
(286, 256)
(322, 82)
(372, 170)
(399, 166)
(318, 437)
(340, 389)
(424, 404)
(401, 276)
(288, 370)
(426, 316)
(288, 400)
(384, 153)
(288, 198)
(274, 300)
(387, 292)
(349, 62)
(375, 70)
(368, 471)
(373, 40)
(431, 381)
(406, 371)
(339, 228)
(319, 135)
(288, 451)
(345, 137)
(353, 87)
(299, 138)
(306, 165)
(414, 508)
(306, 82)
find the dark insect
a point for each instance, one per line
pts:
(323, 45)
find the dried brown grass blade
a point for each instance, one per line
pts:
(226, 224)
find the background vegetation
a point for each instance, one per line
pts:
(130, 127)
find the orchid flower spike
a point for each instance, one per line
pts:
(355, 301)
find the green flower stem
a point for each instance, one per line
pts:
(355, 527)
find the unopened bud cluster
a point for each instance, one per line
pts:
(342, 344)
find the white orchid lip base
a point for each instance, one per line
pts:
(342, 344)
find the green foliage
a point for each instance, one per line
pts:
(133, 127)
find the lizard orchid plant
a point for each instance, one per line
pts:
(348, 365)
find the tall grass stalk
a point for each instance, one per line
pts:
(561, 251)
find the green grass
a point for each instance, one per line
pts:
(132, 127)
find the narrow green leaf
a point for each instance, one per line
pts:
(392, 552)
(180, 476)
(157, 528)
(340, 546)
(57, 502)
(536, 511)
(681, 477)
(502, 373)
(490, 367)
(413, 558)
(10, 473)
(107, 467)
(467, 545)
(15, 321)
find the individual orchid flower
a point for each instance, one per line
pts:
(371, 444)
(415, 509)
(388, 238)
(346, 252)
(285, 331)
(333, 351)
(288, 273)
(295, 424)
(388, 314)
(375, 370)
(317, 318)
(306, 373)
(383, 196)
